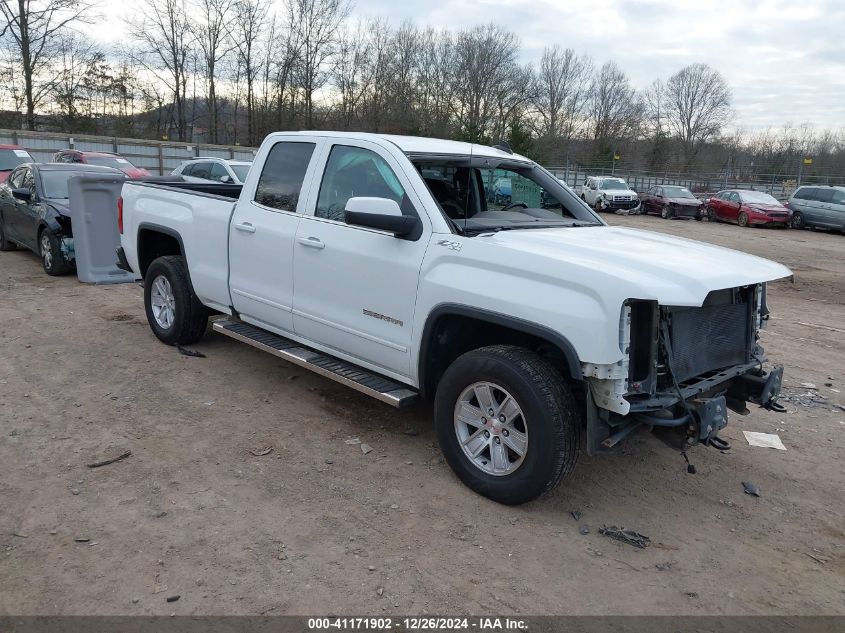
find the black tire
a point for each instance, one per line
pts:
(50, 250)
(5, 245)
(699, 215)
(797, 220)
(711, 214)
(551, 419)
(190, 318)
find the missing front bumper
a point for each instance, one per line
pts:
(696, 416)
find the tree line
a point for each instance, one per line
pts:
(231, 71)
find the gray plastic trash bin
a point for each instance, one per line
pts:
(93, 216)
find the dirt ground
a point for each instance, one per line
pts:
(316, 526)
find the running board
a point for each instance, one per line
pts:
(363, 380)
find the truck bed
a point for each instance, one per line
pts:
(223, 190)
(197, 212)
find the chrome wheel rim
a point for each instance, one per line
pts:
(796, 221)
(162, 302)
(491, 429)
(46, 250)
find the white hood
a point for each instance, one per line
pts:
(625, 193)
(654, 266)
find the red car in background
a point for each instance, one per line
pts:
(10, 157)
(748, 208)
(103, 159)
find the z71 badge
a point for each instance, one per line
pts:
(455, 246)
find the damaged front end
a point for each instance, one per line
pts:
(682, 369)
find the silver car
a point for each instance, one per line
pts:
(818, 205)
(212, 169)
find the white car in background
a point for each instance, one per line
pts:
(608, 193)
(211, 169)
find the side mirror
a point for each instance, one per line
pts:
(22, 193)
(382, 214)
(225, 178)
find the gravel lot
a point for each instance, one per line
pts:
(317, 526)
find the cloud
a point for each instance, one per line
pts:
(783, 59)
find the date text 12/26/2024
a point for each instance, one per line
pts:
(416, 624)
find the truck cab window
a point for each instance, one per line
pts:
(282, 176)
(353, 172)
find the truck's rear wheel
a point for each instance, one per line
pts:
(507, 423)
(174, 313)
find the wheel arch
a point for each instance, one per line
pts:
(46, 223)
(156, 241)
(454, 329)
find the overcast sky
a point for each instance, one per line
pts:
(784, 60)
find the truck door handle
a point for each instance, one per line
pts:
(246, 227)
(311, 242)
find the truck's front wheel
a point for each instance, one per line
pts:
(507, 423)
(174, 313)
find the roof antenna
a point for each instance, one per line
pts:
(503, 146)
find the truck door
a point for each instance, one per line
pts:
(261, 236)
(356, 287)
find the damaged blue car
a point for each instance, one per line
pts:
(34, 212)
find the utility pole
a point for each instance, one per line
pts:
(804, 161)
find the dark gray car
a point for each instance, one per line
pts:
(818, 206)
(34, 212)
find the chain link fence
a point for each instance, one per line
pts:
(780, 186)
(158, 157)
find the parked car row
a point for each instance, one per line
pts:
(818, 206)
(34, 198)
(34, 212)
(810, 206)
(213, 169)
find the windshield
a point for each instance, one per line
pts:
(55, 182)
(613, 184)
(479, 196)
(11, 158)
(677, 192)
(240, 171)
(108, 161)
(757, 197)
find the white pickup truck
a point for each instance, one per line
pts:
(386, 263)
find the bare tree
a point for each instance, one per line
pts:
(654, 121)
(77, 60)
(698, 106)
(401, 85)
(484, 58)
(563, 85)
(434, 82)
(212, 36)
(614, 108)
(34, 26)
(350, 71)
(249, 30)
(512, 96)
(164, 30)
(316, 28)
(286, 52)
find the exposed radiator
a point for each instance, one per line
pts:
(709, 338)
